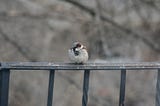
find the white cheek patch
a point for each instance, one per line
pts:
(77, 49)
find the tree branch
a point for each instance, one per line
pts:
(85, 8)
(24, 14)
(151, 3)
(20, 49)
(90, 11)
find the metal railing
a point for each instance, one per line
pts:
(6, 67)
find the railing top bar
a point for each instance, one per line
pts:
(69, 66)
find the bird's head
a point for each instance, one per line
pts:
(77, 46)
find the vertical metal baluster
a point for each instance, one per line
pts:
(50, 87)
(122, 88)
(85, 87)
(158, 89)
(4, 86)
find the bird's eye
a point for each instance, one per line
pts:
(78, 45)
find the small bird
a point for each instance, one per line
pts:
(78, 53)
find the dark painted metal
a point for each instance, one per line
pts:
(4, 86)
(50, 87)
(5, 68)
(89, 66)
(158, 89)
(122, 88)
(85, 87)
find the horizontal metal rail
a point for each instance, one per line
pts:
(87, 66)
(6, 67)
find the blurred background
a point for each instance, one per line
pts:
(112, 30)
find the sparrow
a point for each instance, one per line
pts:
(78, 53)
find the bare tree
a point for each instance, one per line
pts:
(128, 31)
